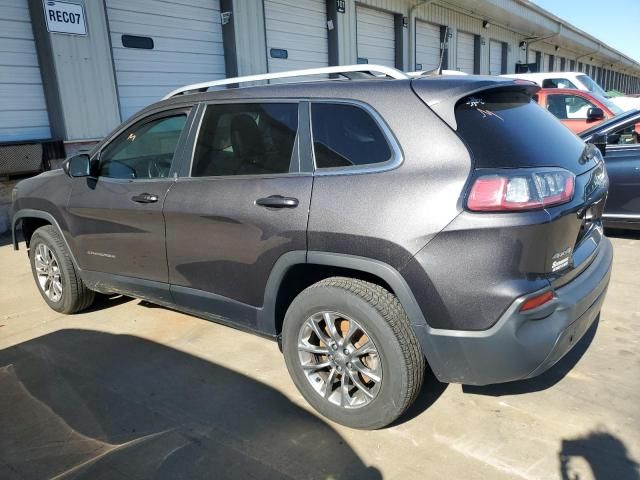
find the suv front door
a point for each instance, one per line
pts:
(242, 205)
(115, 217)
(623, 167)
(571, 110)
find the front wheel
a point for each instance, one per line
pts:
(56, 278)
(351, 351)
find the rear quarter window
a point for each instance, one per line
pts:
(346, 136)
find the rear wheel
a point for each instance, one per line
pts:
(56, 277)
(352, 353)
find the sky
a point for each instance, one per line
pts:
(615, 22)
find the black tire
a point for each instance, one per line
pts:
(75, 295)
(379, 313)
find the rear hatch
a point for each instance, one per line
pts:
(541, 167)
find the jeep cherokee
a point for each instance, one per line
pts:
(370, 225)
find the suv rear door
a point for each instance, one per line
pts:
(241, 204)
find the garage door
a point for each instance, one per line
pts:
(427, 45)
(296, 34)
(170, 44)
(375, 37)
(495, 57)
(23, 111)
(465, 52)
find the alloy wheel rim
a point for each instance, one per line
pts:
(48, 272)
(339, 359)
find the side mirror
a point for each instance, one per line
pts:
(594, 114)
(78, 166)
(600, 140)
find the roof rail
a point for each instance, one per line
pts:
(339, 70)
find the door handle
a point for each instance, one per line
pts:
(277, 201)
(145, 198)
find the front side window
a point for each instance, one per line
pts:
(143, 151)
(246, 139)
(627, 135)
(569, 107)
(346, 136)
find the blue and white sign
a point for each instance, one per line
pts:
(65, 17)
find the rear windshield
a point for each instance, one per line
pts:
(507, 129)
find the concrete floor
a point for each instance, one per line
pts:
(130, 390)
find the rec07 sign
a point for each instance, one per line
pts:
(65, 17)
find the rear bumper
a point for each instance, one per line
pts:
(520, 346)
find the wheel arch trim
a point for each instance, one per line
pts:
(31, 213)
(352, 262)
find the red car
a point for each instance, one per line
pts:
(576, 109)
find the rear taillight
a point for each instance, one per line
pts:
(521, 189)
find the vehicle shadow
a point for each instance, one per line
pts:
(546, 379)
(85, 404)
(606, 455)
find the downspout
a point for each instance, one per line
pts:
(412, 32)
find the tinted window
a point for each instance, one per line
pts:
(558, 83)
(627, 135)
(246, 139)
(568, 107)
(144, 150)
(505, 128)
(346, 135)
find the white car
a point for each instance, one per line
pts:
(626, 103)
(579, 81)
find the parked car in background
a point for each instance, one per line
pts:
(618, 139)
(576, 109)
(421, 241)
(575, 80)
(625, 102)
(579, 81)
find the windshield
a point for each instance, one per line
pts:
(615, 120)
(591, 85)
(611, 106)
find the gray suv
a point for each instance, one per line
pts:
(370, 225)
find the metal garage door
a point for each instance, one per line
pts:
(495, 57)
(187, 47)
(297, 30)
(23, 110)
(465, 52)
(532, 57)
(375, 37)
(427, 46)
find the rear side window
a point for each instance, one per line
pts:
(558, 83)
(504, 128)
(346, 136)
(246, 139)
